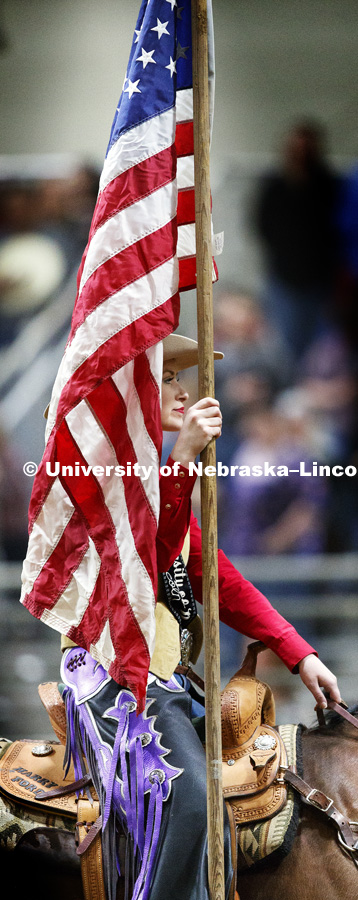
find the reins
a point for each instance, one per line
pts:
(340, 708)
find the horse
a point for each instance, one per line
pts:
(44, 862)
(317, 866)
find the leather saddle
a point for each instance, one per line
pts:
(30, 770)
(254, 754)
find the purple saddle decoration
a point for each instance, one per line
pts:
(127, 763)
(82, 674)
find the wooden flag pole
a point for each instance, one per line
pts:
(208, 457)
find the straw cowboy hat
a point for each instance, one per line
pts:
(184, 350)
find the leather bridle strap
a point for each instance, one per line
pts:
(341, 709)
(317, 799)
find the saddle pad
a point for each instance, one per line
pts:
(25, 772)
(260, 840)
(17, 819)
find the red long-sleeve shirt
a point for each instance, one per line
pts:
(241, 605)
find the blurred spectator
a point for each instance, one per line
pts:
(325, 392)
(257, 363)
(44, 225)
(326, 396)
(32, 261)
(272, 514)
(68, 203)
(20, 207)
(347, 223)
(295, 220)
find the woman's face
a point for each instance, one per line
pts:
(173, 397)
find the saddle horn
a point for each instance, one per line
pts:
(248, 666)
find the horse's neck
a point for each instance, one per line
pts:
(330, 764)
(316, 866)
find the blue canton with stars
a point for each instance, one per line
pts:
(160, 63)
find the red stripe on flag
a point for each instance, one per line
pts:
(86, 493)
(186, 206)
(187, 273)
(59, 568)
(147, 390)
(91, 625)
(133, 184)
(116, 352)
(141, 180)
(124, 268)
(109, 407)
(131, 655)
(184, 139)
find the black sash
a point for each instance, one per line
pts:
(178, 593)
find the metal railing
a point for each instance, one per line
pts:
(329, 569)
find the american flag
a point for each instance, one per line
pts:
(90, 570)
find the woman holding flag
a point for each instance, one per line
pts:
(149, 768)
(95, 544)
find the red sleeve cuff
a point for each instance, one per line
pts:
(175, 479)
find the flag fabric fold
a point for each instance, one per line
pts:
(90, 570)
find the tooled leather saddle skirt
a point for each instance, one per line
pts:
(253, 750)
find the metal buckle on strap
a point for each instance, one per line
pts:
(282, 779)
(315, 803)
(352, 848)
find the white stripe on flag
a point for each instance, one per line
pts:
(184, 105)
(103, 649)
(95, 446)
(71, 606)
(141, 297)
(186, 241)
(129, 226)
(185, 172)
(143, 446)
(47, 530)
(138, 144)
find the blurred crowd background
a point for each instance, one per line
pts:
(285, 312)
(288, 382)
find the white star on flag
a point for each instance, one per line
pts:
(132, 88)
(172, 3)
(161, 28)
(172, 67)
(146, 57)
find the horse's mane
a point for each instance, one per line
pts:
(333, 720)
